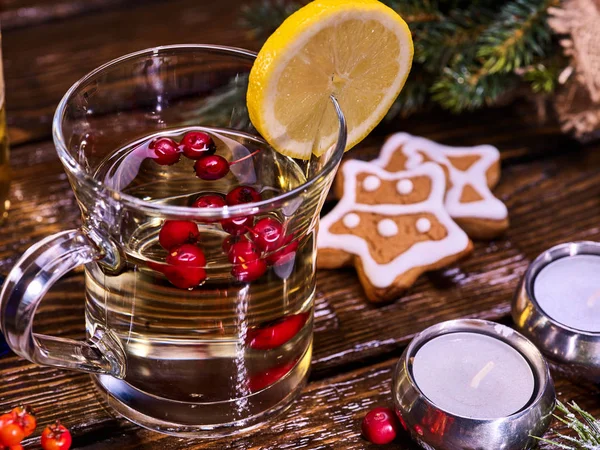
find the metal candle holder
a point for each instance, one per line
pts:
(434, 428)
(574, 352)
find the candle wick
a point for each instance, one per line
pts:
(482, 374)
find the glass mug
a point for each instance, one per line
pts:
(202, 361)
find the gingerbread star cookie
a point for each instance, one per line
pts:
(470, 173)
(391, 226)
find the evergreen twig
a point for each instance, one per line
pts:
(262, 19)
(468, 53)
(519, 34)
(586, 428)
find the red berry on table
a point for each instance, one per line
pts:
(185, 266)
(212, 167)
(15, 447)
(25, 418)
(242, 194)
(165, 151)
(267, 233)
(197, 144)
(277, 333)
(238, 225)
(242, 252)
(209, 201)
(7, 418)
(265, 379)
(177, 232)
(56, 437)
(11, 433)
(249, 271)
(380, 426)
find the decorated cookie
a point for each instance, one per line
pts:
(470, 172)
(391, 226)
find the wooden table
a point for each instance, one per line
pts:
(550, 184)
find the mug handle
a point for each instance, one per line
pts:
(25, 286)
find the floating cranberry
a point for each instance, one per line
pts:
(289, 246)
(209, 201)
(212, 167)
(185, 266)
(197, 144)
(380, 426)
(238, 225)
(267, 233)
(265, 379)
(229, 241)
(277, 333)
(242, 194)
(249, 271)
(165, 151)
(242, 252)
(177, 232)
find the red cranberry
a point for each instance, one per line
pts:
(242, 252)
(380, 426)
(265, 379)
(197, 144)
(209, 201)
(238, 225)
(276, 333)
(185, 268)
(267, 233)
(289, 246)
(212, 167)
(249, 271)
(229, 241)
(177, 232)
(165, 150)
(242, 194)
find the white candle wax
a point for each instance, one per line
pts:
(568, 290)
(473, 375)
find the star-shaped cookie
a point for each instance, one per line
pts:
(470, 173)
(391, 226)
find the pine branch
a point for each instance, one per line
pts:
(414, 97)
(415, 12)
(519, 34)
(543, 78)
(586, 428)
(262, 19)
(466, 89)
(437, 44)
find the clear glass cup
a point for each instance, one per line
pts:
(202, 361)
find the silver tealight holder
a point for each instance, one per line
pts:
(473, 384)
(557, 305)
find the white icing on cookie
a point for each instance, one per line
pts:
(420, 254)
(387, 228)
(351, 220)
(404, 187)
(371, 183)
(489, 207)
(423, 225)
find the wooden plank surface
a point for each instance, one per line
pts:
(550, 199)
(550, 184)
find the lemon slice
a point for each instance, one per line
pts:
(359, 51)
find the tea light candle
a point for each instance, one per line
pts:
(473, 375)
(568, 291)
